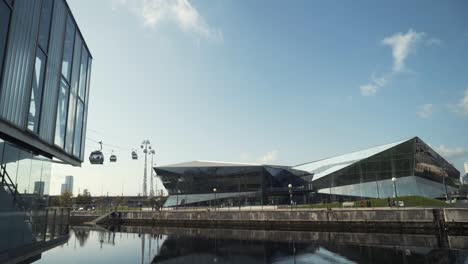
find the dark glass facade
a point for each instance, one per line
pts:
(431, 166)
(368, 173)
(5, 13)
(193, 183)
(44, 78)
(418, 170)
(44, 83)
(394, 162)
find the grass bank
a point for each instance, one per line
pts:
(409, 201)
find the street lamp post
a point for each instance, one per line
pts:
(395, 189)
(177, 193)
(214, 191)
(290, 195)
(444, 175)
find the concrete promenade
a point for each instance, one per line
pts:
(433, 220)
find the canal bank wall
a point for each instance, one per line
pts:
(393, 240)
(369, 219)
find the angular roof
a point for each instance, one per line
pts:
(204, 163)
(326, 166)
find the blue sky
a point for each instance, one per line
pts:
(281, 82)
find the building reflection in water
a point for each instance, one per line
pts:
(81, 235)
(198, 245)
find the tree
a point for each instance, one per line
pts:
(66, 199)
(54, 201)
(121, 201)
(85, 198)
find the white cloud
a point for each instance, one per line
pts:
(179, 12)
(447, 152)
(371, 88)
(402, 45)
(426, 110)
(380, 81)
(269, 157)
(368, 89)
(433, 42)
(462, 106)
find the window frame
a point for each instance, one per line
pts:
(46, 53)
(67, 97)
(2, 62)
(41, 83)
(64, 79)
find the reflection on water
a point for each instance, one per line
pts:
(195, 245)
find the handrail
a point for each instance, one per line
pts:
(14, 191)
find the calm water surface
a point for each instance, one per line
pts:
(194, 245)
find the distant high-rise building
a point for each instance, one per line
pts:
(464, 179)
(68, 185)
(39, 187)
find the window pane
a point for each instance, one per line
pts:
(4, 21)
(73, 95)
(61, 114)
(83, 71)
(78, 129)
(68, 48)
(90, 61)
(36, 91)
(76, 64)
(44, 26)
(10, 2)
(70, 123)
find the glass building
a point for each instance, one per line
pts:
(45, 69)
(203, 183)
(368, 173)
(417, 168)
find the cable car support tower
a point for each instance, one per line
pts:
(145, 145)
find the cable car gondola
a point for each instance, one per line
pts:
(113, 158)
(134, 155)
(96, 157)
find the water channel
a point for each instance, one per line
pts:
(200, 245)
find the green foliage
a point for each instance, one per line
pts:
(84, 199)
(329, 205)
(121, 201)
(54, 201)
(410, 201)
(66, 199)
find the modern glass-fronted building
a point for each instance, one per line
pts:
(200, 183)
(416, 168)
(45, 68)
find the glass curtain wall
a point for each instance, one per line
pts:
(62, 107)
(73, 92)
(394, 162)
(203, 180)
(5, 13)
(80, 108)
(234, 185)
(39, 66)
(25, 170)
(431, 166)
